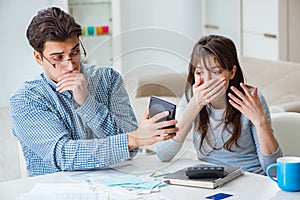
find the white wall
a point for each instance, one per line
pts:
(17, 62)
(294, 31)
(158, 36)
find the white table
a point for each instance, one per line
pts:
(250, 186)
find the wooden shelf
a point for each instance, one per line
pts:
(75, 3)
(96, 36)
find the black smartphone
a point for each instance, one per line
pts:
(158, 105)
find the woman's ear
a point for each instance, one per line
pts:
(232, 72)
(38, 57)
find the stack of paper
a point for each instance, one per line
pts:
(112, 177)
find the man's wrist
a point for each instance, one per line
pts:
(132, 144)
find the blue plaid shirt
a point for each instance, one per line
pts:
(56, 134)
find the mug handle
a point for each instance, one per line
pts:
(268, 173)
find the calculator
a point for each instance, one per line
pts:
(204, 171)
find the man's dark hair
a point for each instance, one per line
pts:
(51, 24)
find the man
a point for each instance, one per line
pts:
(75, 116)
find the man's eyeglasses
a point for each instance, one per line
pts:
(74, 56)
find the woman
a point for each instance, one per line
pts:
(230, 120)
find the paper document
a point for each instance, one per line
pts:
(62, 196)
(63, 191)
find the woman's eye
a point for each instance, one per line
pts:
(199, 73)
(217, 72)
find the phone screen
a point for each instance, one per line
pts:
(158, 105)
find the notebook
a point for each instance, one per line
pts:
(180, 178)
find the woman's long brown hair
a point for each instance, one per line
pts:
(224, 51)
